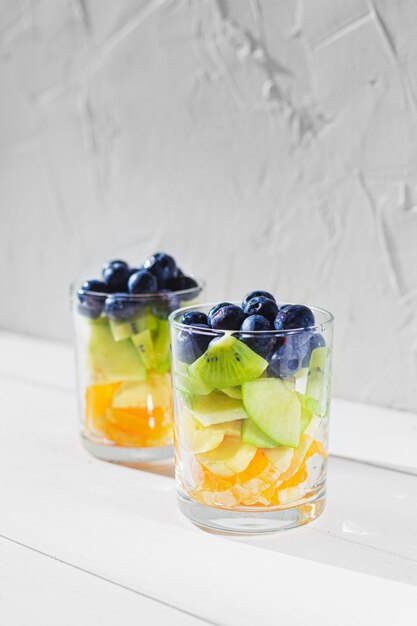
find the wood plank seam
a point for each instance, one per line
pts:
(110, 581)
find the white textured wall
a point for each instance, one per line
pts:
(267, 143)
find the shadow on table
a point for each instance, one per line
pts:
(166, 468)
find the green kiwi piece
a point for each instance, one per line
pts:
(109, 360)
(144, 345)
(228, 362)
(124, 329)
(162, 348)
(317, 394)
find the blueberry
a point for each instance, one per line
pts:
(256, 294)
(191, 345)
(294, 316)
(194, 317)
(316, 341)
(215, 308)
(142, 282)
(180, 283)
(164, 304)
(229, 317)
(120, 307)
(96, 286)
(286, 360)
(263, 344)
(259, 305)
(115, 275)
(91, 305)
(162, 266)
(132, 270)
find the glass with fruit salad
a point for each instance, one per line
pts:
(251, 403)
(124, 359)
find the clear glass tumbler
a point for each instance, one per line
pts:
(251, 432)
(123, 371)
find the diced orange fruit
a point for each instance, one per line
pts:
(135, 427)
(217, 491)
(98, 399)
(258, 464)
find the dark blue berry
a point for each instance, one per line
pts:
(191, 345)
(294, 316)
(142, 282)
(118, 306)
(228, 317)
(261, 344)
(132, 270)
(259, 305)
(162, 266)
(256, 294)
(91, 298)
(194, 317)
(165, 303)
(181, 283)
(286, 360)
(214, 309)
(115, 275)
(316, 341)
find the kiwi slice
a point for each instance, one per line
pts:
(122, 329)
(110, 360)
(216, 408)
(162, 348)
(317, 392)
(125, 329)
(275, 409)
(228, 362)
(251, 433)
(144, 345)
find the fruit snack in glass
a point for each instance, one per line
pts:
(251, 412)
(124, 359)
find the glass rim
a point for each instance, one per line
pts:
(138, 297)
(255, 333)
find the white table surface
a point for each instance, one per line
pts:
(86, 542)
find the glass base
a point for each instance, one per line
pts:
(122, 454)
(252, 521)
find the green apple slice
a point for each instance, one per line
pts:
(275, 409)
(233, 392)
(318, 382)
(216, 408)
(252, 434)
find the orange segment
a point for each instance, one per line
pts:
(141, 427)
(98, 398)
(258, 464)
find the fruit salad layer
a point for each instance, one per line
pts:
(252, 392)
(124, 350)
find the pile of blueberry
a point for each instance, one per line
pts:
(285, 353)
(159, 274)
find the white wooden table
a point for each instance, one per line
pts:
(86, 542)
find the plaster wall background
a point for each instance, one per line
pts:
(267, 144)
